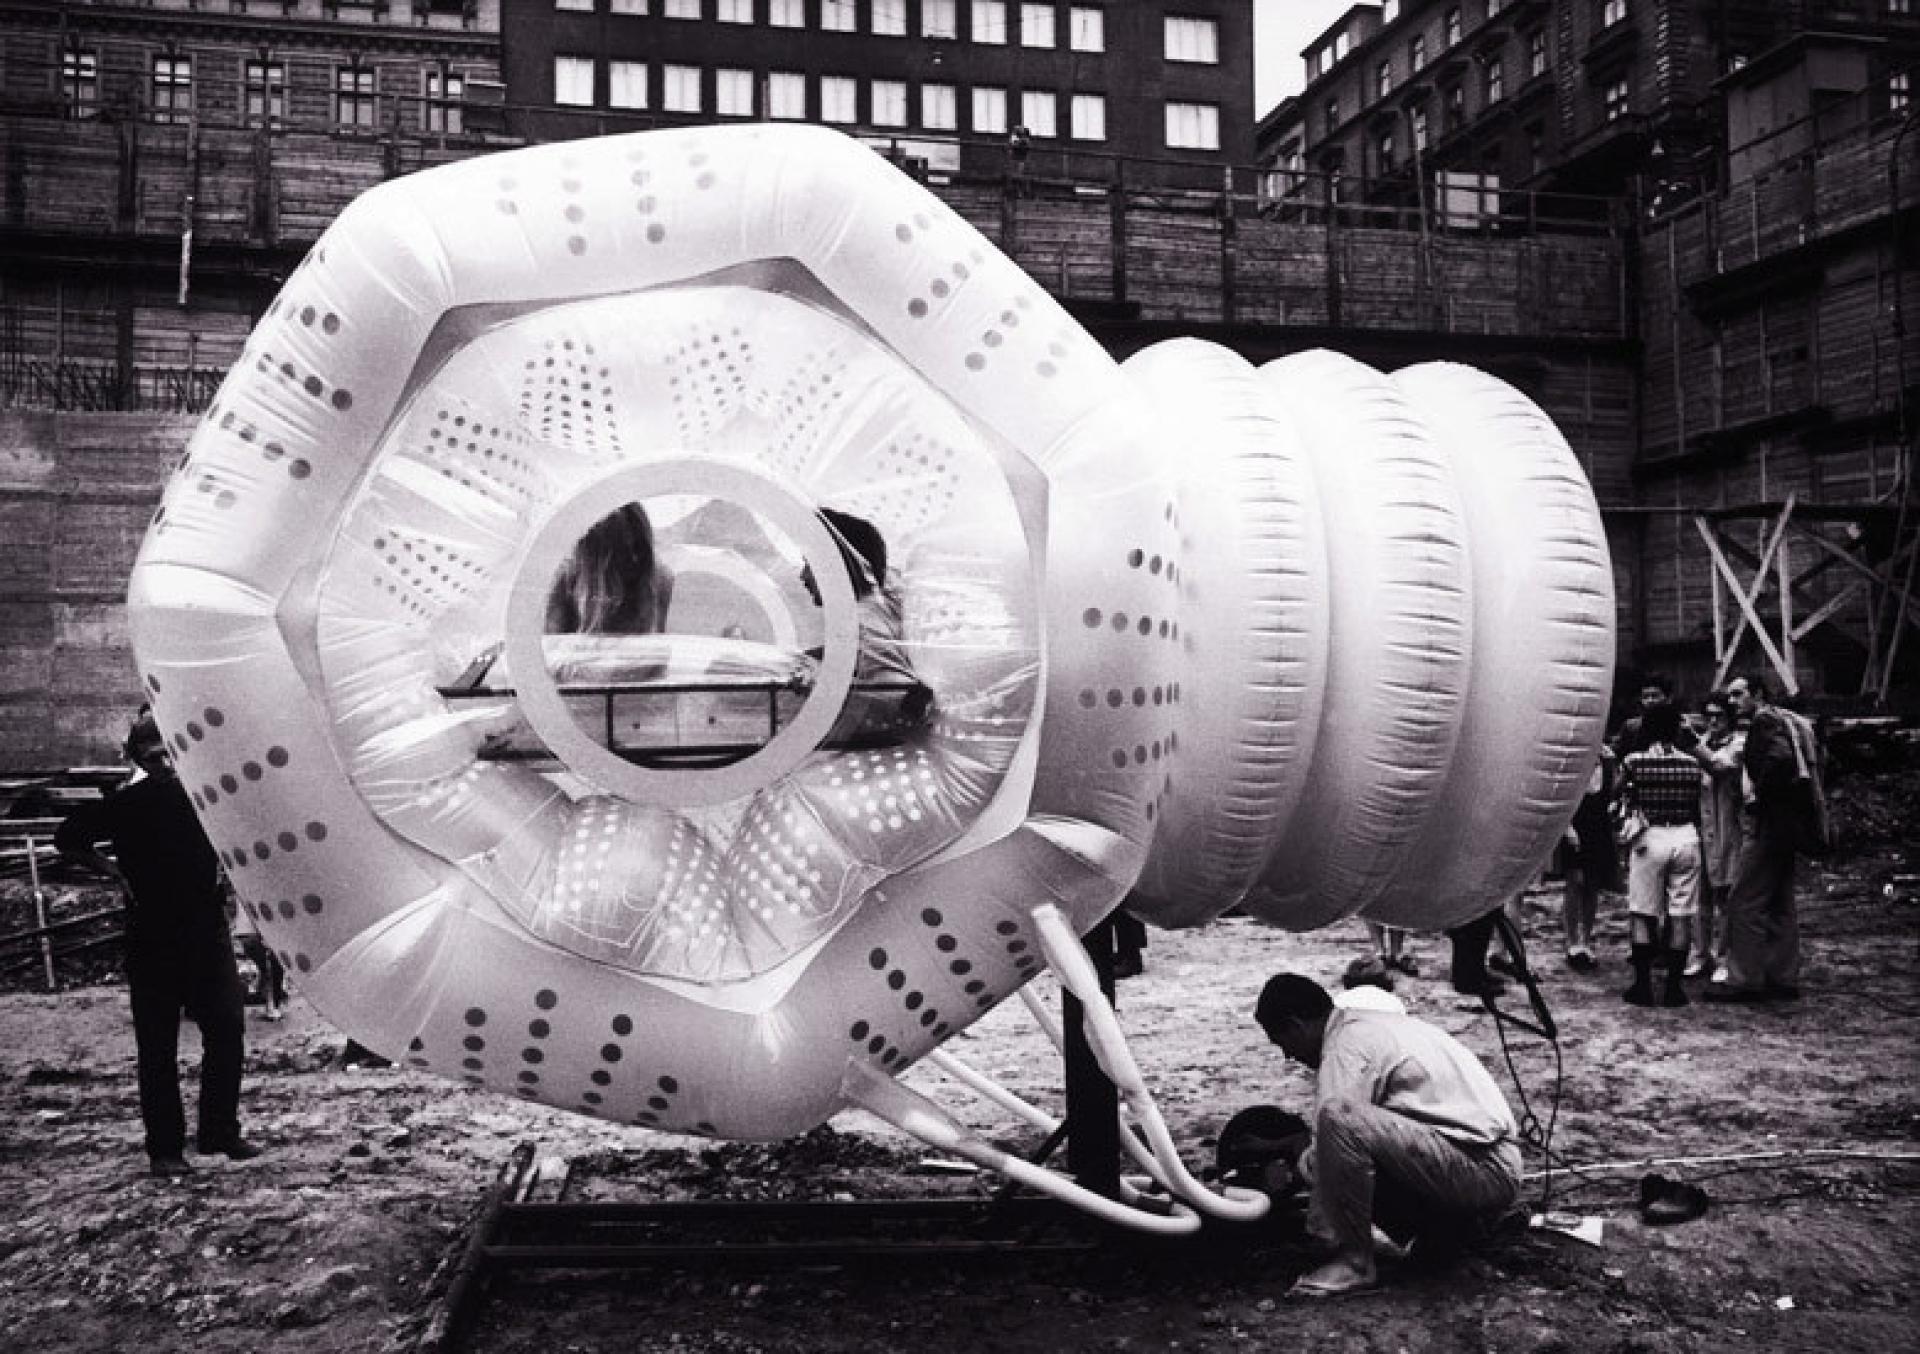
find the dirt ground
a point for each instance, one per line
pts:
(338, 1239)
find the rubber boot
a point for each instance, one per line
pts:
(1641, 993)
(1674, 994)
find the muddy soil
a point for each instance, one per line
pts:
(1801, 1121)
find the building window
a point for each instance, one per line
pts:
(1087, 29)
(681, 9)
(1496, 80)
(354, 103)
(1615, 99)
(890, 18)
(787, 13)
(172, 88)
(1088, 114)
(1454, 105)
(839, 16)
(1451, 27)
(734, 12)
(1418, 119)
(989, 110)
(1417, 53)
(80, 80)
(1536, 148)
(938, 19)
(1190, 39)
(787, 96)
(1389, 11)
(623, 6)
(1899, 92)
(1036, 26)
(444, 92)
(889, 103)
(1536, 53)
(1384, 149)
(1612, 12)
(939, 108)
(989, 22)
(839, 99)
(733, 93)
(626, 84)
(1193, 126)
(680, 89)
(572, 81)
(586, 6)
(1040, 113)
(1333, 115)
(1383, 79)
(264, 92)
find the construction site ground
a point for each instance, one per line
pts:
(1800, 1121)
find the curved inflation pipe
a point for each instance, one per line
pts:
(1075, 969)
(914, 1114)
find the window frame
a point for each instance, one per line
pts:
(622, 74)
(80, 80)
(1202, 29)
(443, 111)
(728, 78)
(172, 72)
(839, 16)
(1092, 102)
(356, 86)
(676, 78)
(831, 88)
(272, 92)
(1094, 19)
(987, 97)
(1207, 130)
(573, 62)
(780, 86)
(940, 20)
(980, 29)
(890, 87)
(934, 89)
(1047, 125)
(1034, 17)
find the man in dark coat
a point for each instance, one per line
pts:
(179, 950)
(1763, 922)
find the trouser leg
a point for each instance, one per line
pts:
(156, 1039)
(1783, 929)
(218, 1009)
(1370, 1162)
(1469, 945)
(1757, 914)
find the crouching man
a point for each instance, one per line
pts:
(1409, 1130)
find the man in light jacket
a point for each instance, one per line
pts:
(1409, 1130)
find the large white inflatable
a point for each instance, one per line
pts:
(1185, 633)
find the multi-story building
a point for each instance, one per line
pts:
(1572, 96)
(956, 85)
(230, 132)
(1757, 156)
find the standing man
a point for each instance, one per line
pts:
(179, 950)
(1763, 924)
(1409, 1130)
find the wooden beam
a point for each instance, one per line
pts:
(1827, 609)
(1746, 597)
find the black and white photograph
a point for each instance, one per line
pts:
(770, 676)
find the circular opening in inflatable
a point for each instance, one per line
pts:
(667, 701)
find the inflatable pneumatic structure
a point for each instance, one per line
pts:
(1306, 638)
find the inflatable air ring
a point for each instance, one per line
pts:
(1169, 617)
